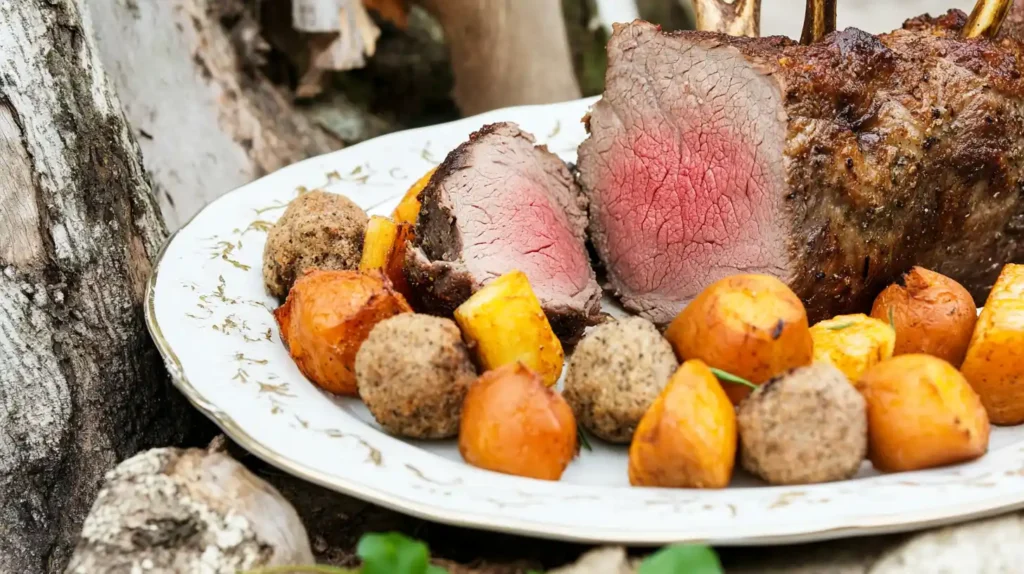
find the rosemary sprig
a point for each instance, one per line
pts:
(581, 436)
(731, 378)
(892, 323)
(840, 326)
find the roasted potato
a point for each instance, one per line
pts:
(318, 230)
(922, 413)
(327, 316)
(378, 244)
(513, 423)
(750, 325)
(806, 426)
(505, 323)
(409, 208)
(687, 439)
(412, 372)
(994, 365)
(931, 313)
(852, 343)
(615, 374)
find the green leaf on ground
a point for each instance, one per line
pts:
(682, 559)
(394, 553)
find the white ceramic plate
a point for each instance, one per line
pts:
(210, 316)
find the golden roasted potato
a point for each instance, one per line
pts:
(750, 325)
(921, 414)
(931, 313)
(409, 208)
(327, 316)
(687, 439)
(852, 343)
(378, 244)
(506, 324)
(512, 423)
(995, 357)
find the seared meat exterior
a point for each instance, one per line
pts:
(835, 166)
(499, 203)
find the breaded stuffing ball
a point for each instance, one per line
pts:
(807, 426)
(318, 230)
(412, 372)
(615, 374)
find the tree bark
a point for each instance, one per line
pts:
(81, 385)
(506, 52)
(208, 121)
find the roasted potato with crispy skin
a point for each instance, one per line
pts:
(327, 316)
(505, 323)
(931, 313)
(378, 244)
(513, 423)
(750, 325)
(687, 439)
(409, 208)
(853, 343)
(922, 413)
(994, 365)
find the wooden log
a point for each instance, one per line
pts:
(81, 385)
(506, 52)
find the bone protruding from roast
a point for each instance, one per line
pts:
(169, 510)
(986, 18)
(733, 17)
(819, 20)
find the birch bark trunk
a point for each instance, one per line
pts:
(81, 386)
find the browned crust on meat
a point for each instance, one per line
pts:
(902, 149)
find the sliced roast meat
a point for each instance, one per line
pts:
(834, 166)
(499, 203)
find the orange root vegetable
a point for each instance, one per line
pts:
(931, 313)
(995, 356)
(922, 413)
(513, 423)
(687, 439)
(326, 318)
(752, 326)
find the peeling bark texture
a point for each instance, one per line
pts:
(506, 52)
(208, 121)
(170, 510)
(81, 385)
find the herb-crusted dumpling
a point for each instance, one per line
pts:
(615, 374)
(807, 426)
(318, 230)
(413, 372)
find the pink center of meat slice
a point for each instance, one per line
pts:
(684, 210)
(527, 234)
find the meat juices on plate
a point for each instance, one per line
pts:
(834, 166)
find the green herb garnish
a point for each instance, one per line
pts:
(731, 378)
(581, 436)
(840, 326)
(892, 323)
